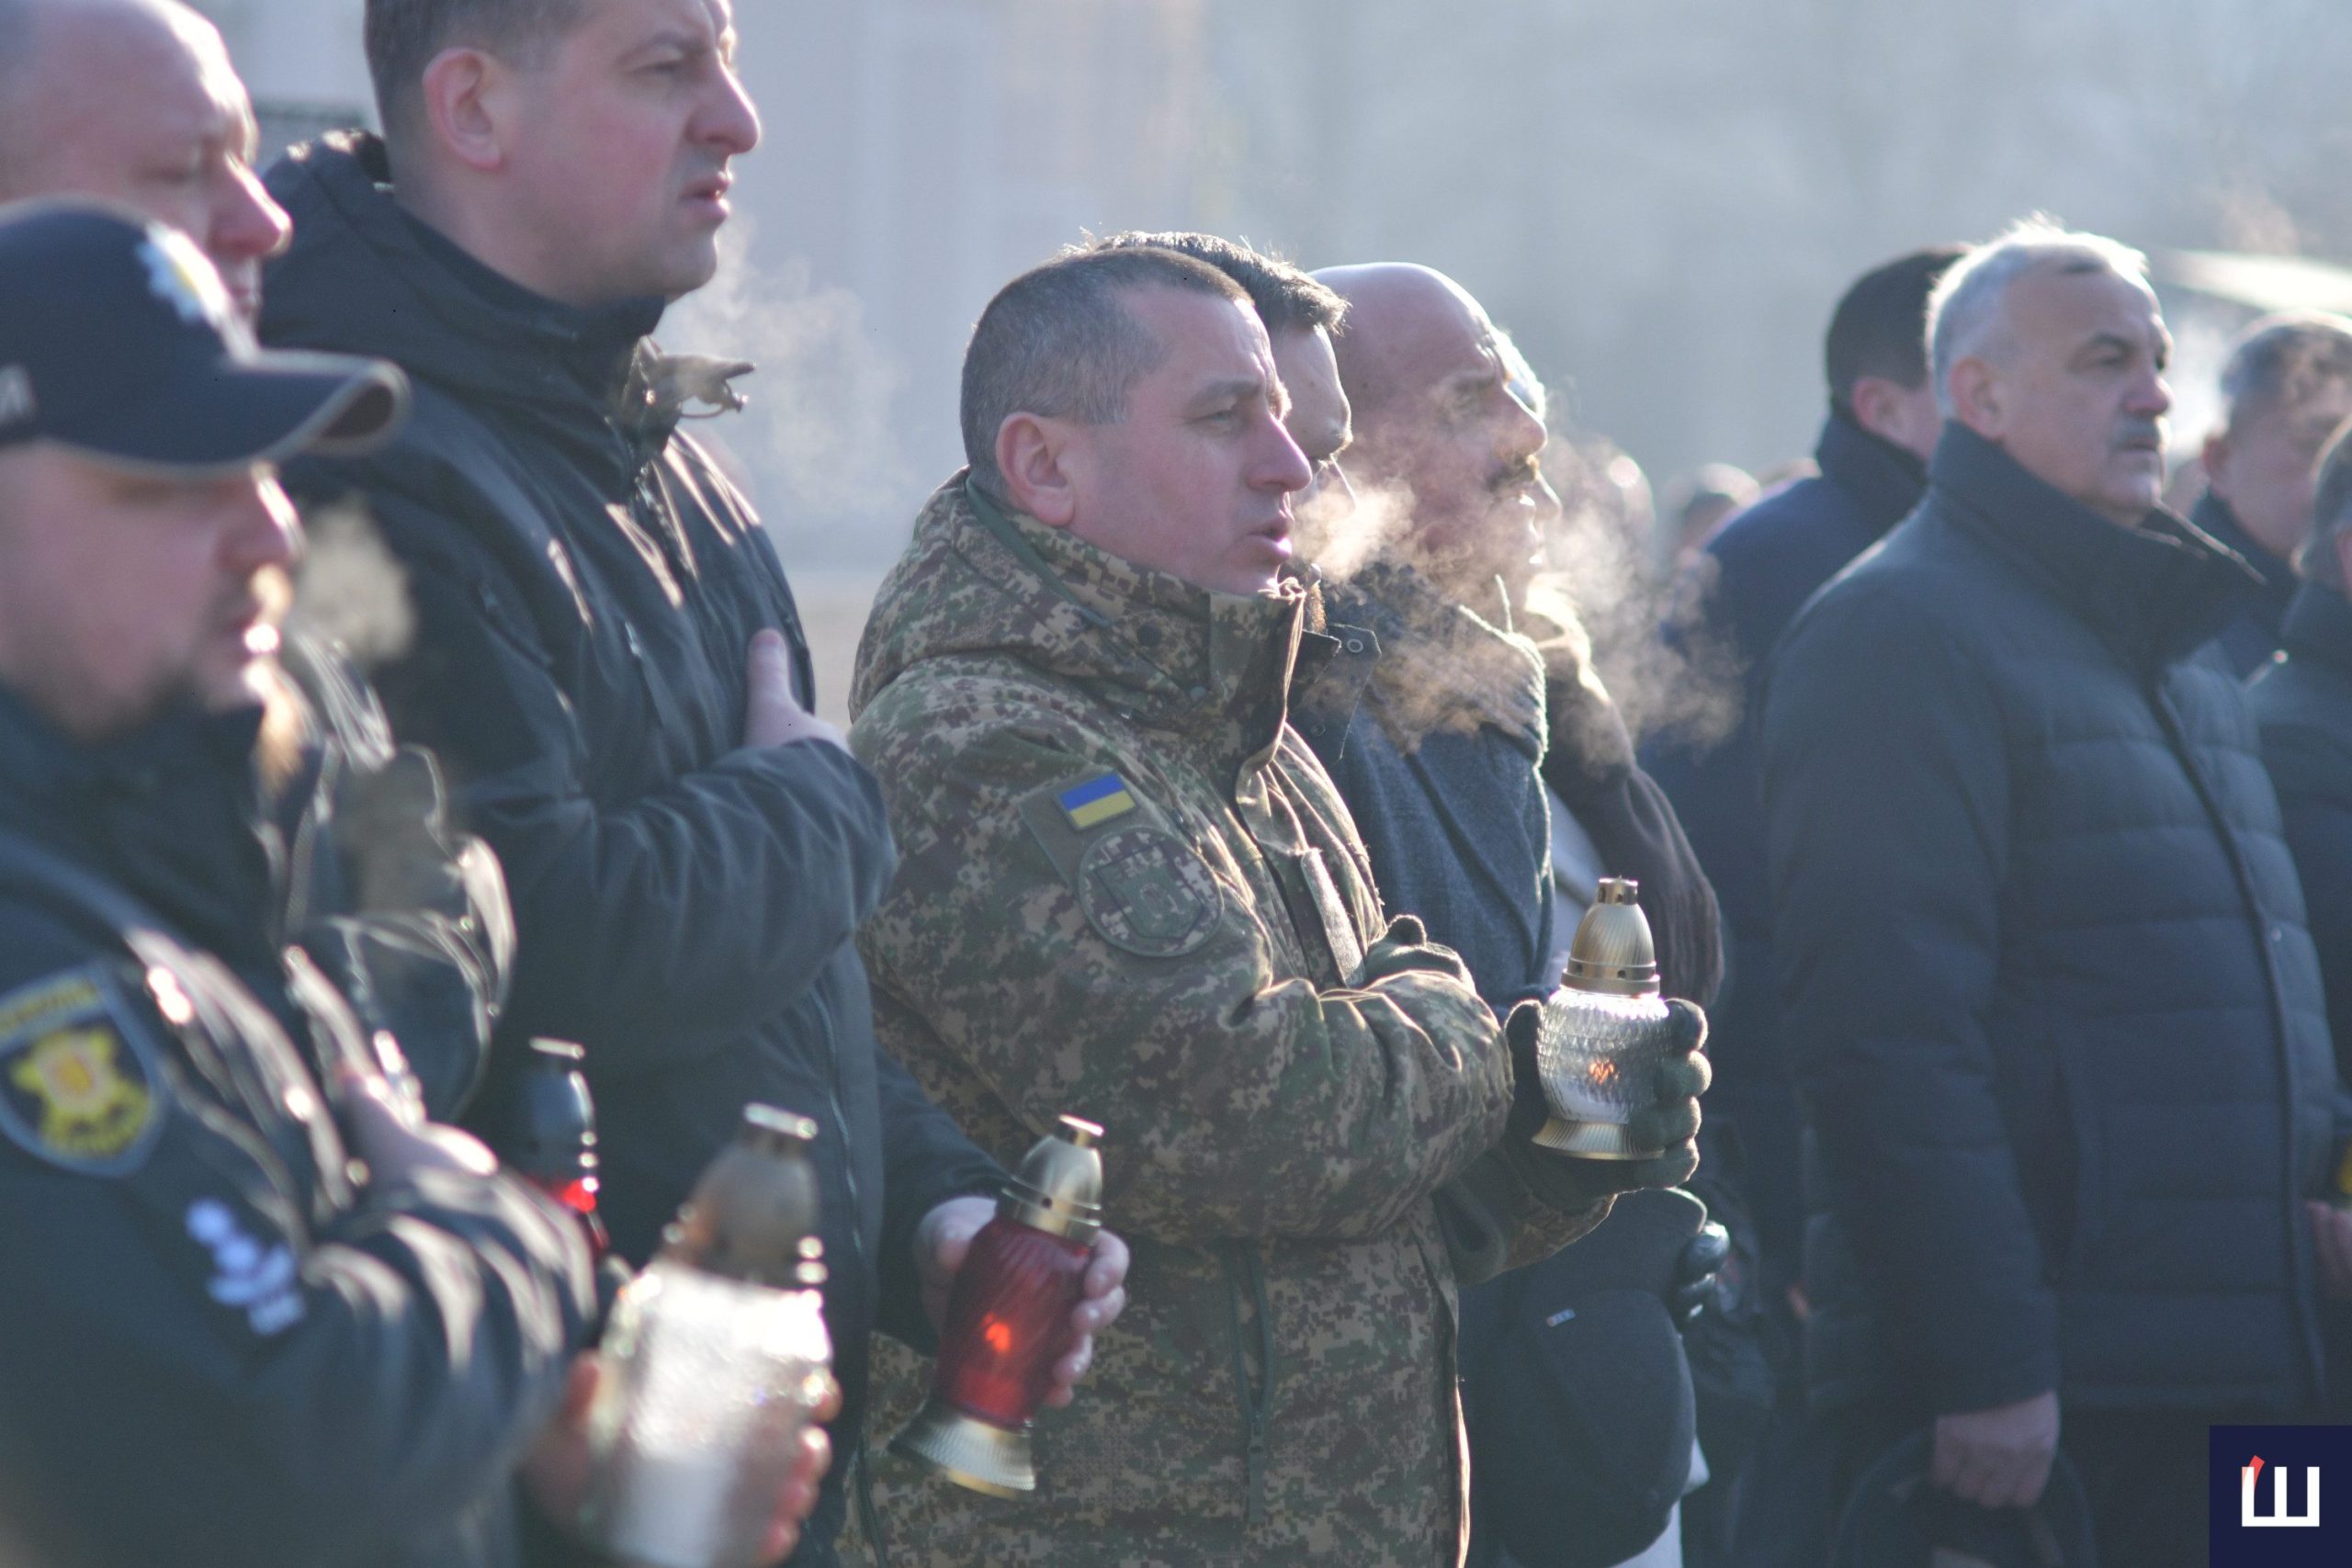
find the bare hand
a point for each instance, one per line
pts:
(944, 1241)
(2332, 1233)
(772, 716)
(391, 1133)
(556, 1469)
(1998, 1458)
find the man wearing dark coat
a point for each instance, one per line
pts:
(607, 657)
(2286, 387)
(2055, 1020)
(1755, 573)
(1450, 712)
(2303, 702)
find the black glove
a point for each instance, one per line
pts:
(1693, 1291)
(1404, 948)
(1670, 1122)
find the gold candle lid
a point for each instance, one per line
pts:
(1059, 1189)
(1613, 952)
(753, 1215)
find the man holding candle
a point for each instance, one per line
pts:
(1130, 893)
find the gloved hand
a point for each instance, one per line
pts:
(1403, 949)
(1693, 1291)
(1670, 1122)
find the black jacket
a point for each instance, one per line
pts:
(1442, 785)
(587, 585)
(1439, 761)
(2250, 636)
(1756, 574)
(2304, 706)
(2053, 1011)
(221, 1352)
(1456, 834)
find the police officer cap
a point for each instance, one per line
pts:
(1895, 1519)
(118, 338)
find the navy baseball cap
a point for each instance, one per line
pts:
(117, 340)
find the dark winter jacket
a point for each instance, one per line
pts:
(2054, 1014)
(1438, 760)
(2304, 706)
(587, 586)
(1442, 780)
(223, 1353)
(1447, 822)
(1757, 573)
(2251, 636)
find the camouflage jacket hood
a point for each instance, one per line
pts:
(1129, 892)
(1212, 667)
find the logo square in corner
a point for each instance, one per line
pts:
(2279, 1497)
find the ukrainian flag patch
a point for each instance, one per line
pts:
(1096, 801)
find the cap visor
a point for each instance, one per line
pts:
(229, 415)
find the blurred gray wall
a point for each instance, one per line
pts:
(1663, 198)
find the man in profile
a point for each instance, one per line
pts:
(2286, 388)
(607, 656)
(1131, 892)
(2038, 934)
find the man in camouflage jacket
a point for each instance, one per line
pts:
(1128, 891)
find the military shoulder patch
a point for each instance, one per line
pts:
(79, 1084)
(1140, 885)
(1143, 889)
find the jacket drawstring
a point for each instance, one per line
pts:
(1254, 1403)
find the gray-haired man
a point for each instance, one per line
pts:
(2040, 939)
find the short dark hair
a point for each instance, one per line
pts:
(1287, 298)
(2282, 360)
(403, 37)
(1060, 342)
(1880, 326)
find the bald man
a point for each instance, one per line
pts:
(1448, 446)
(1469, 708)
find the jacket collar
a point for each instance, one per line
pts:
(1441, 665)
(2319, 629)
(366, 277)
(1213, 667)
(172, 813)
(2216, 518)
(2153, 594)
(1884, 480)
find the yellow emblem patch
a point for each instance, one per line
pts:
(78, 1084)
(88, 1107)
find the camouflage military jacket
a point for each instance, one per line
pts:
(1128, 891)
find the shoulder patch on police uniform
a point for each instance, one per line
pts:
(1141, 887)
(79, 1084)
